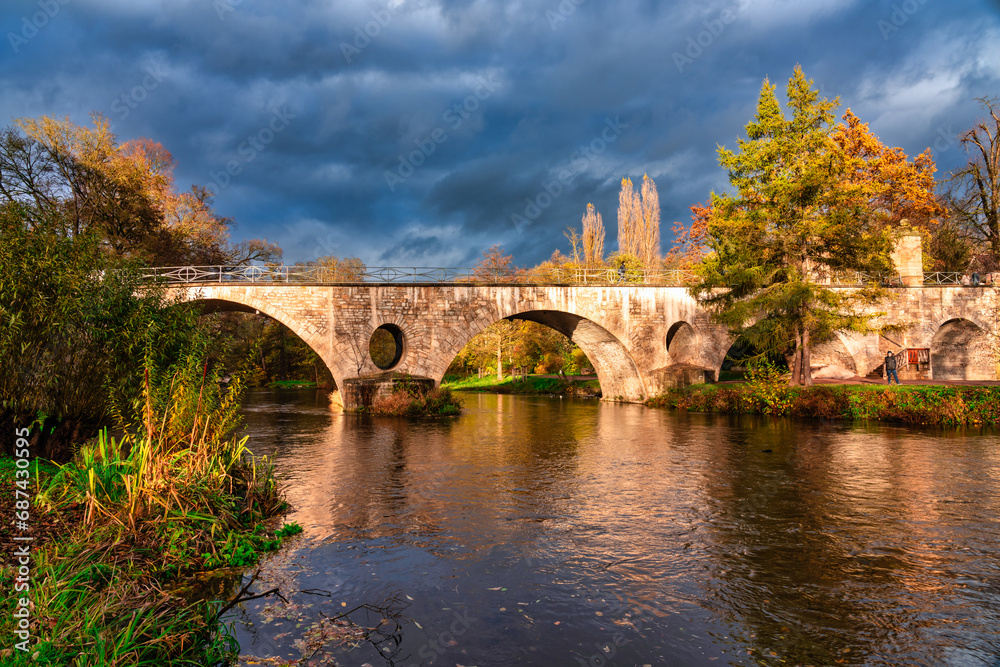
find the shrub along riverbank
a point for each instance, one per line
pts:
(531, 385)
(912, 404)
(121, 526)
(411, 401)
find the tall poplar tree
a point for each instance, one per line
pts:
(649, 236)
(792, 218)
(593, 238)
(629, 214)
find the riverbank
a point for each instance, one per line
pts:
(939, 405)
(537, 385)
(115, 537)
(108, 546)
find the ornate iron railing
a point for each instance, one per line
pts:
(395, 274)
(941, 278)
(966, 279)
(435, 275)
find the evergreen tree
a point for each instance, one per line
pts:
(793, 219)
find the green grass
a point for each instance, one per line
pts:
(292, 384)
(913, 404)
(531, 385)
(38, 466)
(175, 496)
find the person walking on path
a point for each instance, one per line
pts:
(890, 368)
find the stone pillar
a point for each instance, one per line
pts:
(908, 257)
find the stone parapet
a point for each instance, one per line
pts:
(633, 335)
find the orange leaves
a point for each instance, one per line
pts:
(689, 240)
(884, 180)
(124, 193)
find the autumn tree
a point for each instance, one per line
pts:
(338, 269)
(496, 266)
(575, 244)
(891, 187)
(639, 222)
(592, 238)
(688, 246)
(629, 216)
(122, 192)
(649, 233)
(885, 184)
(975, 195)
(792, 215)
(102, 188)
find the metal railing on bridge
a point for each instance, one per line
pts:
(964, 279)
(417, 274)
(437, 275)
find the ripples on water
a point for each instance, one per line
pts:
(572, 532)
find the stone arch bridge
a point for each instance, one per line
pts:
(638, 337)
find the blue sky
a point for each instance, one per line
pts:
(419, 132)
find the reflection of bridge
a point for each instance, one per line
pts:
(638, 336)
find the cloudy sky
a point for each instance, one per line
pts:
(419, 132)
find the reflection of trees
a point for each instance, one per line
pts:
(362, 477)
(813, 551)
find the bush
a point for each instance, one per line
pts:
(822, 403)
(411, 401)
(767, 391)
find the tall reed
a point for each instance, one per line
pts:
(171, 494)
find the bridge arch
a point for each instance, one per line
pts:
(616, 370)
(960, 350)
(239, 301)
(682, 343)
(837, 352)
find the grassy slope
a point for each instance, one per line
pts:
(533, 385)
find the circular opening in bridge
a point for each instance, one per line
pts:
(386, 346)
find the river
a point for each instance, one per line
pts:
(547, 531)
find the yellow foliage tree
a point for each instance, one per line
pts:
(649, 235)
(593, 238)
(122, 192)
(639, 222)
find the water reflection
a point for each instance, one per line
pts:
(572, 532)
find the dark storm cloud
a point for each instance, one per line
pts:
(424, 131)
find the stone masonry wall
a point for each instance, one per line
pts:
(623, 330)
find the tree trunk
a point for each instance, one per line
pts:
(793, 381)
(282, 362)
(807, 378)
